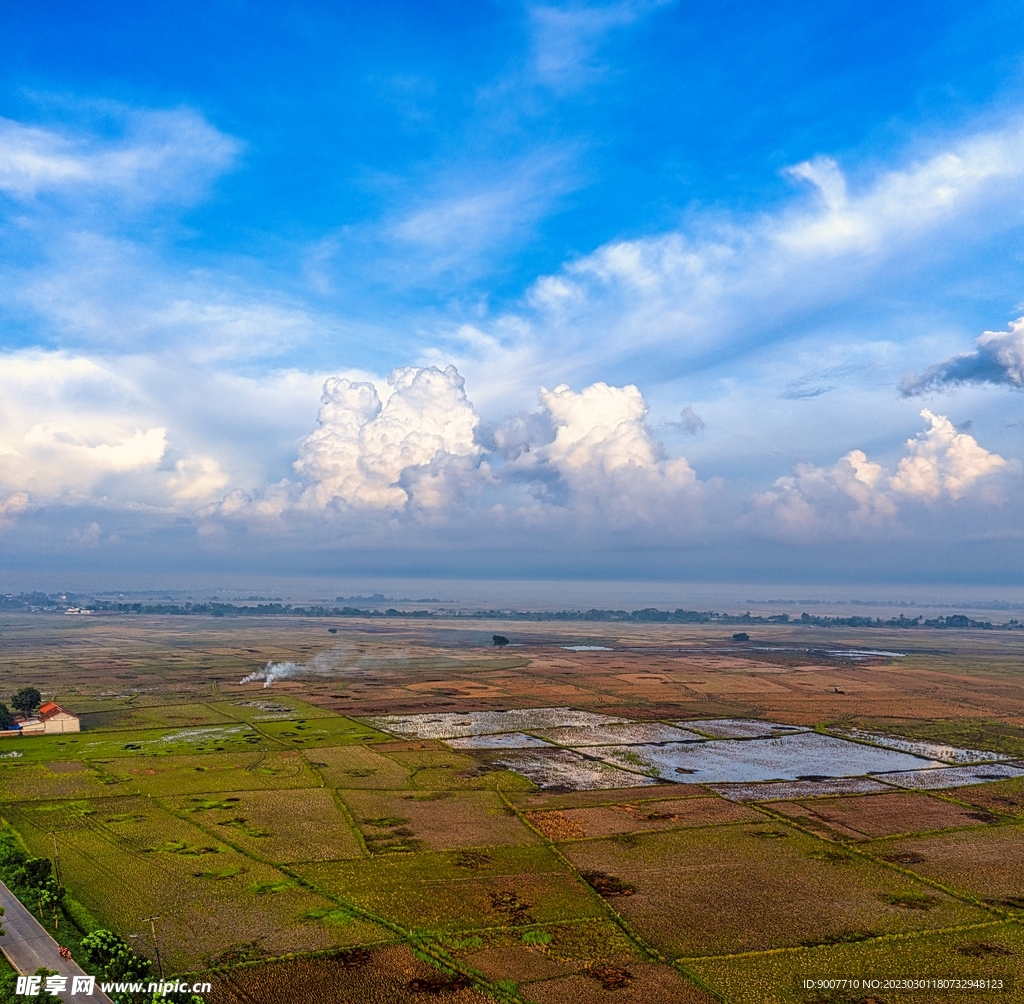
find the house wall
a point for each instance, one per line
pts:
(62, 722)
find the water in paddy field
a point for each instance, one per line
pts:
(619, 732)
(740, 728)
(449, 725)
(939, 751)
(565, 748)
(787, 758)
(953, 777)
(505, 741)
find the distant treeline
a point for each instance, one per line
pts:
(63, 603)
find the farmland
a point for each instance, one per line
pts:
(665, 817)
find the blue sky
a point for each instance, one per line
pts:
(773, 251)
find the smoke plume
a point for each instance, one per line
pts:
(322, 664)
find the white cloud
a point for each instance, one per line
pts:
(855, 495)
(196, 478)
(160, 154)
(847, 495)
(997, 358)
(943, 461)
(567, 38)
(66, 422)
(362, 449)
(89, 537)
(110, 294)
(589, 453)
(12, 506)
(607, 456)
(137, 429)
(723, 282)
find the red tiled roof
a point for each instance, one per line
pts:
(49, 708)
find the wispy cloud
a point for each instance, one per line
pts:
(717, 283)
(158, 155)
(454, 227)
(567, 38)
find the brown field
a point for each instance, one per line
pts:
(1003, 797)
(627, 817)
(987, 863)
(636, 983)
(606, 796)
(862, 817)
(460, 890)
(755, 887)
(378, 976)
(441, 820)
(345, 849)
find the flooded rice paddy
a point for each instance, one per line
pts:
(503, 741)
(935, 751)
(804, 756)
(953, 777)
(450, 725)
(743, 759)
(740, 728)
(784, 791)
(618, 733)
(571, 771)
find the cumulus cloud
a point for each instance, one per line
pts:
(124, 430)
(997, 358)
(423, 452)
(848, 493)
(12, 506)
(605, 453)
(369, 455)
(89, 537)
(855, 494)
(159, 154)
(196, 478)
(943, 461)
(598, 455)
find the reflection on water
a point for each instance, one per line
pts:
(786, 758)
(566, 748)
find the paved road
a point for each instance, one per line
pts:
(28, 947)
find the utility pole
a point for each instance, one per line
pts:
(156, 945)
(56, 858)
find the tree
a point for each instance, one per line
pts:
(27, 700)
(6, 718)
(500, 640)
(110, 954)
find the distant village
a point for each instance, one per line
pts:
(32, 716)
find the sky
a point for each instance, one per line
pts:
(636, 290)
